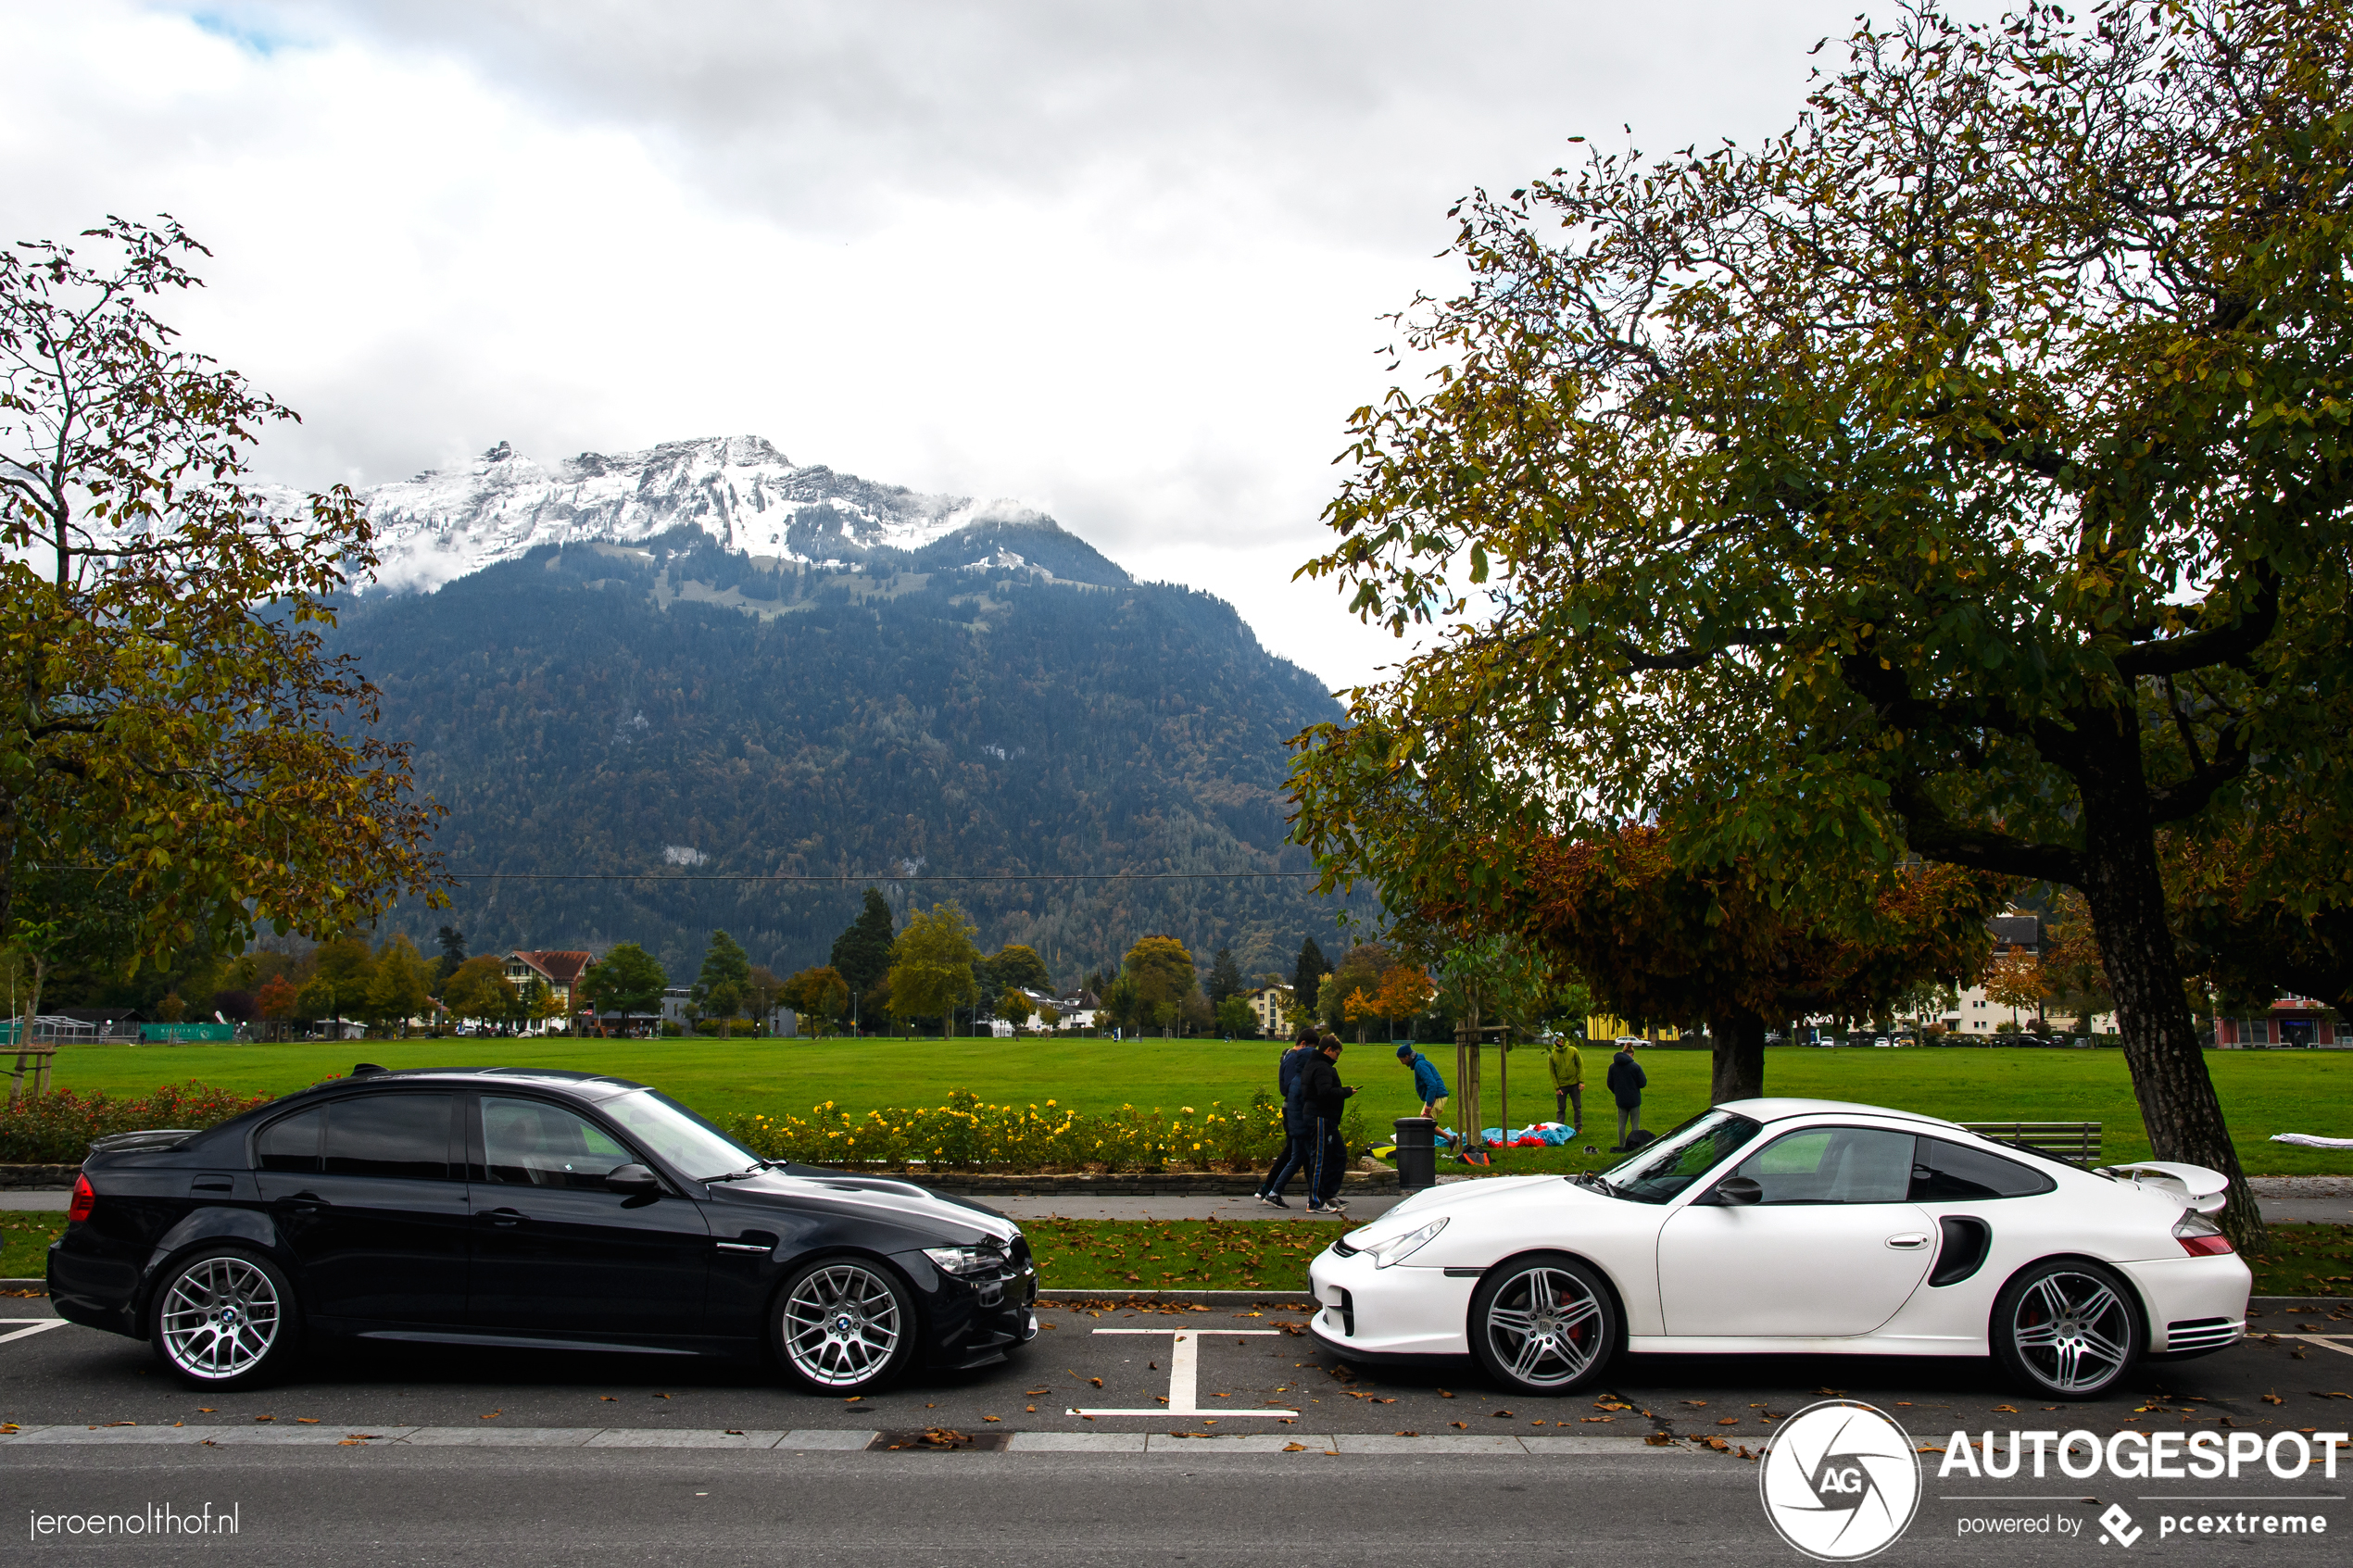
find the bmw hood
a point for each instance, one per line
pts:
(916, 1207)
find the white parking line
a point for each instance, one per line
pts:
(33, 1326)
(1184, 1376)
(2326, 1341)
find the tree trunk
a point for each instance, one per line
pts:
(2126, 893)
(1738, 1069)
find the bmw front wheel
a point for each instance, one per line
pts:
(1543, 1323)
(844, 1326)
(224, 1318)
(2066, 1328)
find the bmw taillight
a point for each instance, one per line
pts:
(2199, 1236)
(84, 1195)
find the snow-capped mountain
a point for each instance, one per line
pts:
(446, 524)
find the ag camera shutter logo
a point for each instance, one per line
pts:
(1840, 1481)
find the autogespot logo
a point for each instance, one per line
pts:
(1840, 1481)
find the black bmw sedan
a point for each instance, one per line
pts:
(523, 1209)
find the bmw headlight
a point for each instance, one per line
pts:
(1397, 1248)
(965, 1260)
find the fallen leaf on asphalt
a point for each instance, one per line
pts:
(990, 1418)
(492, 1416)
(1096, 1381)
(313, 1421)
(265, 1418)
(2006, 1410)
(1445, 1395)
(2272, 1399)
(1500, 1414)
(1696, 1404)
(609, 1398)
(1728, 1421)
(852, 1401)
(1294, 1447)
(1597, 1417)
(1930, 1449)
(1409, 1434)
(1830, 1390)
(1035, 1392)
(1660, 1440)
(733, 1431)
(1462, 1426)
(1031, 1409)
(205, 1410)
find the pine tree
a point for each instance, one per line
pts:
(1307, 974)
(720, 989)
(1225, 976)
(862, 951)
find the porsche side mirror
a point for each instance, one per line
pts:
(1738, 1191)
(638, 1181)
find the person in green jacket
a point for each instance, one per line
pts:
(1569, 1082)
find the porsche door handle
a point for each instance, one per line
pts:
(1910, 1241)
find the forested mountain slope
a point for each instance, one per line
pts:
(1001, 700)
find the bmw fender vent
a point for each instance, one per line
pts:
(2200, 1333)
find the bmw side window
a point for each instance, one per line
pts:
(1951, 1173)
(291, 1143)
(528, 1143)
(1834, 1165)
(403, 1136)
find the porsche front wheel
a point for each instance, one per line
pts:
(1543, 1323)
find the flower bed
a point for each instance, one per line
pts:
(966, 1133)
(55, 1128)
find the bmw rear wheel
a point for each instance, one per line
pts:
(224, 1318)
(2066, 1327)
(844, 1326)
(1543, 1323)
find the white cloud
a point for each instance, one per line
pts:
(1124, 263)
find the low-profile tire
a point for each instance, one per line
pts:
(2066, 1328)
(224, 1318)
(1545, 1323)
(844, 1325)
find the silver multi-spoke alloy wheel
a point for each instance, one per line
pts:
(843, 1323)
(220, 1318)
(2073, 1331)
(1545, 1325)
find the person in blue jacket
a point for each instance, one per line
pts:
(1627, 1081)
(1294, 1155)
(1428, 1084)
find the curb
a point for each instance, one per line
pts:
(1289, 1300)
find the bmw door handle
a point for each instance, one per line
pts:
(305, 1201)
(1910, 1241)
(504, 1216)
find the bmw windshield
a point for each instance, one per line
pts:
(1661, 1170)
(683, 1139)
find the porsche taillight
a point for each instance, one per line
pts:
(85, 1197)
(2199, 1236)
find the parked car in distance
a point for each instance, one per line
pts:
(525, 1210)
(1797, 1227)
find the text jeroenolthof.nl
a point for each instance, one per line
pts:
(155, 1519)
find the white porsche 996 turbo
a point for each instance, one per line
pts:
(1796, 1226)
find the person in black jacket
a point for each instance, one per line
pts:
(1294, 1154)
(1627, 1081)
(1323, 1096)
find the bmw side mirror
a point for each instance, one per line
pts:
(638, 1181)
(1738, 1191)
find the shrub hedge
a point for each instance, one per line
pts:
(55, 1128)
(968, 1133)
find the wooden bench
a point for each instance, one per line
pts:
(2078, 1142)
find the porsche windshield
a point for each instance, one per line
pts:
(1682, 1157)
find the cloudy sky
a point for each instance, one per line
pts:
(1125, 262)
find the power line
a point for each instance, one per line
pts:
(849, 881)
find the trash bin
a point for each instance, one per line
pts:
(1417, 1154)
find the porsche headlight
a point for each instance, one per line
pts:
(1396, 1249)
(965, 1261)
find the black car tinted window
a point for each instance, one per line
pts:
(399, 1135)
(1951, 1173)
(530, 1143)
(291, 1143)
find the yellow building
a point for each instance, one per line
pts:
(1601, 1026)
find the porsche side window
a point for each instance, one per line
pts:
(1951, 1173)
(1834, 1165)
(527, 1143)
(1682, 1157)
(291, 1143)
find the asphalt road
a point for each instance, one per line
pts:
(580, 1460)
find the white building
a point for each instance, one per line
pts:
(1267, 1006)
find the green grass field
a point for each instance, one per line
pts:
(2263, 1092)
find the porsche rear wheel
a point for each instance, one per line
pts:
(2068, 1327)
(1544, 1323)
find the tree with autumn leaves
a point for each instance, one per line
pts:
(1960, 476)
